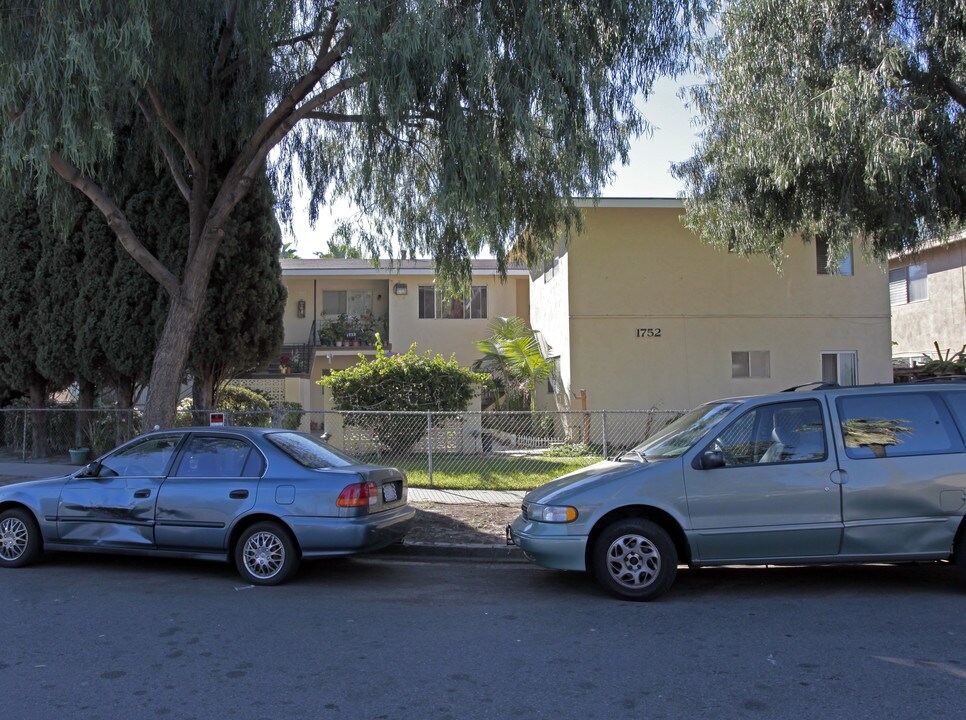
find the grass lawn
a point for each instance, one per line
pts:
(489, 472)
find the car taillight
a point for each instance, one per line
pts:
(361, 494)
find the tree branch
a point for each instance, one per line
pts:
(172, 161)
(116, 220)
(955, 90)
(224, 46)
(170, 126)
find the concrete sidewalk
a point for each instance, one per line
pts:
(15, 471)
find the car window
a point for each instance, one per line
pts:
(681, 435)
(791, 432)
(309, 451)
(957, 403)
(208, 456)
(893, 425)
(149, 457)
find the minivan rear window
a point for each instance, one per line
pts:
(897, 424)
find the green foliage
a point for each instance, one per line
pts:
(408, 381)
(453, 127)
(292, 417)
(340, 250)
(248, 407)
(837, 119)
(513, 358)
(572, 450)
(466, 472)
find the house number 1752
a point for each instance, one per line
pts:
(648, 332)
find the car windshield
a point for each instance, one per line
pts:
(678, 437)
(310, 451)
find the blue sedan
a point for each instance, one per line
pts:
(262, 498)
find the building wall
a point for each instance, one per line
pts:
(550, 315)
(941, 317)
(443, 336)
(638, 269)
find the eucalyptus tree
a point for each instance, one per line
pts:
(453, 125)
(833, 120)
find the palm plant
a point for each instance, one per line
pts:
(512, 357)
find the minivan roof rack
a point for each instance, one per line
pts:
(816, 385)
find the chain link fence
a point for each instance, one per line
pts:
(489, 450)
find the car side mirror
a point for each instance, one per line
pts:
(709, 460)
(90, 470)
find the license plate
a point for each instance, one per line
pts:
(389, 493)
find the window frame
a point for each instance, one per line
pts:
(845, 267)
(748, 355)
(478, 295)
(838, 366)
(921, 283)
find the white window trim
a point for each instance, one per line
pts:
(854, 353)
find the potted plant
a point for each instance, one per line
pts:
(283, 364)
(326, 334)
(78, 455)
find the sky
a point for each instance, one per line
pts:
(647, 174)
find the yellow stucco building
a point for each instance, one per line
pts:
(639, 313)
(635, 311)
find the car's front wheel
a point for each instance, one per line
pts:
(20, 541)
(635, 559)
(265, 554)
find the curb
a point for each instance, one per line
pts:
(464, 551)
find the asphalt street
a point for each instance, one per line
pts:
(105, 637)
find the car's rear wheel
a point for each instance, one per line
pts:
(265, 554)
(635, 559)
(20, 541)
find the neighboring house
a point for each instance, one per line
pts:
(640, 313)
(402, 304)
(927, 292)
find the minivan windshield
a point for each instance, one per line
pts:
(309, 451)
(681, 435)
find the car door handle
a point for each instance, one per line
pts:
(238, 494)
(142, 493)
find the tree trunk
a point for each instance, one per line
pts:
(171, 357)
(38, 418)
(85, 418)
(202, 397)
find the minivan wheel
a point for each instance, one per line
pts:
(635, 559)
(959, 554)
(20, 541)
(265, 554)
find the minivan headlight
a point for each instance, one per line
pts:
(551, 513)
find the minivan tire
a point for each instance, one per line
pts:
(959, 552)
(635, 559)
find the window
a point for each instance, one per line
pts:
(751, 364)
(907, 284)
(435, 305)
(789, 432)
(838, 266)
(350, 302)
(897, 424)
(840, 368)
(219, 457)
(144, 459)
(553, 379)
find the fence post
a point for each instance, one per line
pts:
(604, 432)
(23, 449)
(429, 445)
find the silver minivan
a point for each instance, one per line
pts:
(819, 475)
